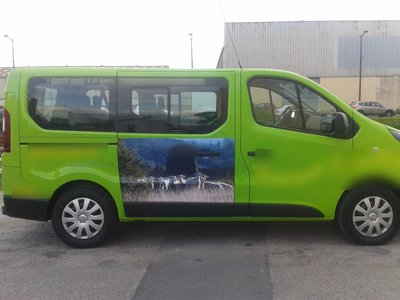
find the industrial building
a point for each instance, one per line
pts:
(326, 51)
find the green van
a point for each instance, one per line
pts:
(89, 147)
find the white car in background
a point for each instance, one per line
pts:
(373, 108)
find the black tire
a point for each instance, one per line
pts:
(361, 112)
(369, 226)
(389, 113)
(94, 223)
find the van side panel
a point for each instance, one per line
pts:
(42, 161)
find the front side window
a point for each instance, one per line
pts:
(286, 104)
(79, 104)
(173, 105)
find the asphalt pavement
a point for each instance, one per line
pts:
(186, 260)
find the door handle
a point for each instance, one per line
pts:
(261, 153)
(251, 153)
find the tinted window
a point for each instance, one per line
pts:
(286, 104)
(83, 104)
(173, 105)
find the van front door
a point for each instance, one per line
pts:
(295, 161)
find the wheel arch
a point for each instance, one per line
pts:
(60, 190)
(369, 184)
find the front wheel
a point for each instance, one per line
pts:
(369, 217)
(84, 216)
(389, 113)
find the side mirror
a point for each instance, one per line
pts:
(327, 123)
(341, 124)
(334, 124)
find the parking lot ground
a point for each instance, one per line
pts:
(209, 261)
(34, 264)
(314, 261)
(197, 261)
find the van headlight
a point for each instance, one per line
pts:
(396, 134)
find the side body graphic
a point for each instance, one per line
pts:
(175, 171)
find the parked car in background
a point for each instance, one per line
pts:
(373, 108)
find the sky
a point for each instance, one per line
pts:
(150, 32)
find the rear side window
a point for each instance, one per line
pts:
(171, 105)
(80, 104)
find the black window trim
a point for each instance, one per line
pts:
(300, 102)
(272, 105)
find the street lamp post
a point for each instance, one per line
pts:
(191, 49)
(361, 47)
(12, 48)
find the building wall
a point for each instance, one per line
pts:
(314, 49)
(347, 88)
(388, 90)
(329, 50)
(385, 90)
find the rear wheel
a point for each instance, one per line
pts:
(369, 217)
(84, 216)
